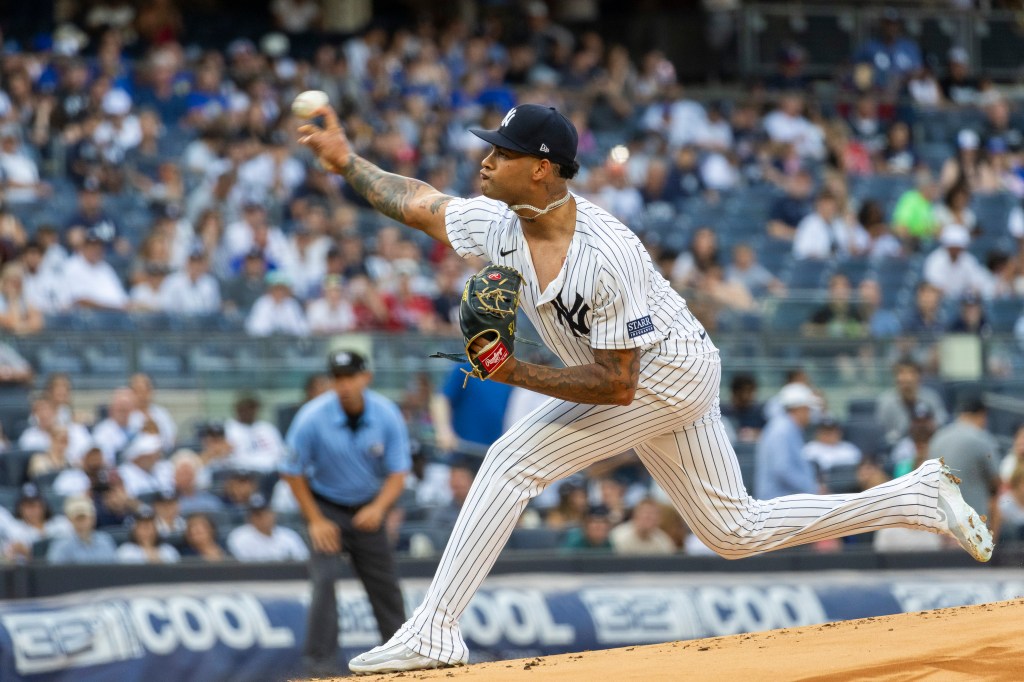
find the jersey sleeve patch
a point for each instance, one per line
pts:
(640, 326)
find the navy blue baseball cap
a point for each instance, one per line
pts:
(536, 130)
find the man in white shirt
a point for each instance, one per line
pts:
(146, 410)
(145, 471)
(951, 268)
(787, 124)
(256, 445)
(91, 281)
(824, 233)
(43, 287)
(18, 171)
(36, 438)
(277, 312)
(192, 291)
(253, 230)
(115, 432)
(332, 313)
(261, 539)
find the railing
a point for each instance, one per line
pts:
(830, 34)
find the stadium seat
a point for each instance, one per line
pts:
(866, 434)
(534, 538)
(1003, 314)
(14, 467)
(745, 457)
(842, 479)
(807, 274)
(860, 408)
(107, 357)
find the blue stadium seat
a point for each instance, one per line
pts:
(1003, 314)
(842, 479)
(855, 269)
(160, 359)
(535, 538)
(807, 274)
(745, 457)
(866, 434)
(861, 408)
(107, 357)
(58, 355)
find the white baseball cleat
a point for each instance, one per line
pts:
(961, 521)
(393, 657)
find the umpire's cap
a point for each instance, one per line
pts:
(343, 363)
(535, 130)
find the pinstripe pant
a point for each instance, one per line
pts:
(685, 448)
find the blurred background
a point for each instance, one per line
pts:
(835, 189)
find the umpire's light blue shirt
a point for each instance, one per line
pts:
(342, 465)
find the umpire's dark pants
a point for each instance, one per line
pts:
(373, 563)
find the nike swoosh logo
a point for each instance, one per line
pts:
(505, 253)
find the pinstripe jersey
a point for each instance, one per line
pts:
(608, 294)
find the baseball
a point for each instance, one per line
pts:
(307, 102)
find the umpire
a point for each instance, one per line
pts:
(348, 456)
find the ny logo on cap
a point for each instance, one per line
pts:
(544, 148)
(508, 117)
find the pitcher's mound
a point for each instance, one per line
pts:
(966, 643)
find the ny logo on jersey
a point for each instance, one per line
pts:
(508, 117)
(574, 318)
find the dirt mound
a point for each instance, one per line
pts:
(964, 643)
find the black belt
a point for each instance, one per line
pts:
(347, 508)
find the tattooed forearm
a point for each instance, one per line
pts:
(390, 194)
(610, 380)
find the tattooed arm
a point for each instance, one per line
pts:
(406, 200)
(610, 380)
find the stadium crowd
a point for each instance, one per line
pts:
(142, 176)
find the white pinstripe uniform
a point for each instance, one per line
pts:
(610, 296)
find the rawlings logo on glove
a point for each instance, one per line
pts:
(488, 314)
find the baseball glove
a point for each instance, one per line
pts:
(488, 312)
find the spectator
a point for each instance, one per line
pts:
(743, 409)
(691, 264)
(19, 175)
(17, 315)
(1015, 457)
(32, 522)
(332, 313)
(781, 468)
(460, 478)
(145, 294)
(1011, 507)
(572, 506)
(116, 431)
(924, 89)
(192, 291)
(825, 234)
(970, 450)
(828, 449)
(261, 539)
(641, 534)
(296, 16)
(951, 268)
(201, 540)
(912, 450)
(54, 460)
(468, 416)
(1000, 128)
(969, 166)
(891, 55)
(93, 220)
(926, 317)
(913, 219)
(144, 545)
(87, 545)
(881, 242)
(43, 287)
(756, 278)
(959, 87)
(880, 322)
(41, 425)
(971, 317)
(593, 534)
(897, 157)
(113, 503)
(145, 471)
(277, 312)
(146, 411)
(239, 486)
(256, 444)
(244, 290)
(684, 177)
(838, 318)
(167, 514)
(14, 369)
(92, 281)
(191, 498)
(215, 450)
(788, 125)
(787, 211)
(84, 477)
(955, 209)
(789, 74)
(896, 405)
